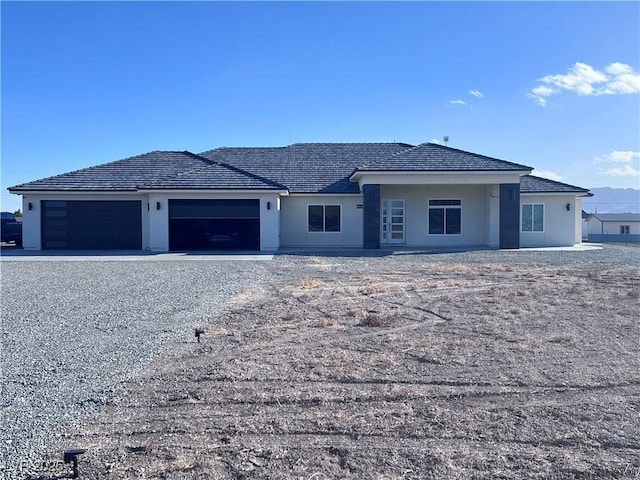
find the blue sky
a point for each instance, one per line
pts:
(551, 85)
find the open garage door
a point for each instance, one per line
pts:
(91, 224)
(214, 225)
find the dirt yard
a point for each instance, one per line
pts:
(392, 368)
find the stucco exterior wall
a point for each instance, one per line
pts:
(155, 222)
(294, 222)
(562, 227)
(476, 212)
(596, 227)
(599, 231)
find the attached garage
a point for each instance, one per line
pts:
(91, 224)
(214, 224)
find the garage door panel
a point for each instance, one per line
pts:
(91, 224)
(214, 224)
(214, 209)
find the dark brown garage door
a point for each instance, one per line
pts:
(88, 224)
(214, 225)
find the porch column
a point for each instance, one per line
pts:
(510, 215)
(371, 216)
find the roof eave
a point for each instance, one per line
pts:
(551, 192)
(359, 172)
(283, 192)
(37, 191)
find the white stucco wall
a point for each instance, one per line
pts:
(479, 219)
(596, 227)
(438, 178)
(294, 226)
(155, 223)
(562, 227)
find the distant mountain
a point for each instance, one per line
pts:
(612, 200)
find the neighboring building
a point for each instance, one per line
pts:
(311, 195)
(613, 227)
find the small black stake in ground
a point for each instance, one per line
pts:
(72, 456)
(199, 331)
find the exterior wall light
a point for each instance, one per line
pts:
(157, 205)
(30, 206)
(268, 205)
(568, 207)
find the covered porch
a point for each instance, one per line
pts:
(423, 211)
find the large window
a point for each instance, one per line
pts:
(625, 229)
(532, 217)
(324, 218)
(445, 217)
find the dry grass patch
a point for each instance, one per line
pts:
(308, 283)
(380, 319)
(511, 373)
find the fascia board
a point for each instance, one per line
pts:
(572, 194)
(212, 190)
(144, 191)
(72, 192)
(434, 176)
(320, 194)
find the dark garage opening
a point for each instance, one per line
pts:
(214, 225)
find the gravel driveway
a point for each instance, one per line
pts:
(73, 329)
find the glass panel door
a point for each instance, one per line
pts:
(392, 221)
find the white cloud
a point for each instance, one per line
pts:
(618, 156)
(476, 93)
(540, 93)
(624, 171)
(547, 174)
(583, 79)
(617, 68)
(457, 102)
(620, 163)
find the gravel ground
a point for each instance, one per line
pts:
(73, 330)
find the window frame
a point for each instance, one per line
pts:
(625, 229)
(533, 217)
(324, 217)
(444, 207)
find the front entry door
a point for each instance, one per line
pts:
(392, 221)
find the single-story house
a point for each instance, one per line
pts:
(613, 227)
(311, 195)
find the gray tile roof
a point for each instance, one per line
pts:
(307, 167)
(438, 158)
(214, 176)
(298, 168)
(533, 184)
(122, 175)
(616, 217)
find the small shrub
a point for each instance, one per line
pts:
(310, 282)
(373, 289)
(380, 320)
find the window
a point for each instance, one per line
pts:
(532, 217)
(625, 229)
(324, 218)
(445, 217)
